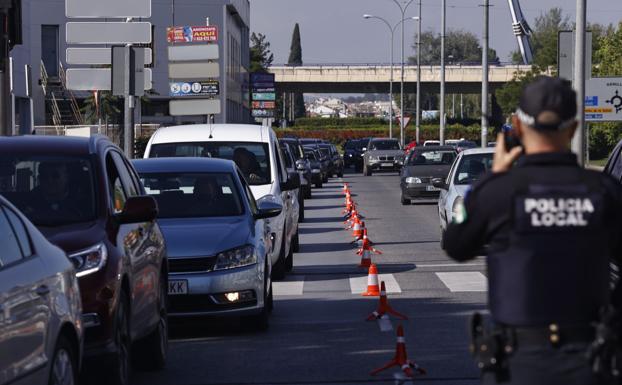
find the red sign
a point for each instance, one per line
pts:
(264, 105)
(208, 34)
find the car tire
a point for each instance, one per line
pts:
(118, 372)
(318, 185)
(261, 321)
(301, 209)
(150, 352)
(64, 368)
(289, 260)
(296, 242)
(405, 201)
(279, 268)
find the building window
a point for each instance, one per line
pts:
(49, 49)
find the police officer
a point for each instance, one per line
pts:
(549, 229)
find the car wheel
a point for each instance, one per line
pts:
(119, 371)
(301, 209)
(442, 238)
(405, 201)
(151, 351)
(278, 270)
(289, 260)
(261, 321)
(63, 370)
(296, 242)
(318, 185)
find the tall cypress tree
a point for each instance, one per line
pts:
(295, 59)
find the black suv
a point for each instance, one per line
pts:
(85, 197)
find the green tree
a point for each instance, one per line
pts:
(295, 59)
(460, 46)
(261, 56)
(109, 108)
(608, 55)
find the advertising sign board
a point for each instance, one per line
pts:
(263, 105)
(264, 96)
(196, 34)
(263, 113)
(262, 78)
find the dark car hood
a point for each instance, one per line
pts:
(194, 237)
(434, 171)
(76, 237)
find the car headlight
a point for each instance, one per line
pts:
(373, 158)
(458, 212)
(242, 256)
(412, 180)
(90, 260)
(315, 171)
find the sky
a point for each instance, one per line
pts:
(334, 31)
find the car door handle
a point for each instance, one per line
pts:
(43, 290)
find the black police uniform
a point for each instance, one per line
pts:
(550, 229)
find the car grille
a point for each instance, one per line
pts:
(426, 180)
(191, 265)
(384, 157)
(201, 303)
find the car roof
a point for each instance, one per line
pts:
(60, 145)
(478, 150)
(435, 148)
(218, 132)
(188, 164)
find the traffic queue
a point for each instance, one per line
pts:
(100, 252)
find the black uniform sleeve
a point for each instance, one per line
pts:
(616, 298)
(463, 241)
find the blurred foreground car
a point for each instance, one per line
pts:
(468, 167)
(86, 198)
(317, 169)
(424, 165)
(217, 237)
(40, 309)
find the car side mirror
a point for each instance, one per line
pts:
(439, 183)
(268, 210)
(364, 149)
(293, 182)
(139, 209)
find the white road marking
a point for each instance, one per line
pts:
(293, 285)
(464, 281)
(358, 285)
(450, 265)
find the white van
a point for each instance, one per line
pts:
(256, 151)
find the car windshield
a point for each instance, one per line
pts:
(472, 167)
(193, 195)
(384, 145)
(310, 156)
(351, 145)
(50, 190)
(432, 158)
(252, 158)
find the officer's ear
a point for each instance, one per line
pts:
(517, 126)
(571, 130)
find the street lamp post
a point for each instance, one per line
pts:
(418, 110)
(392, 32)
(442, 106)
(403, 7)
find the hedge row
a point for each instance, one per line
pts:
(603, 138)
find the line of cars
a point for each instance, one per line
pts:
(99, 252)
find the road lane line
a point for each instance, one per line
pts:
(293, 285)
(450, 265)
(464, 281)
(358, 285)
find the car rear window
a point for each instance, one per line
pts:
(50, 190)
(252, 158)
(193, 195)
(429, 158)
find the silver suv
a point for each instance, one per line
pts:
(383, 154)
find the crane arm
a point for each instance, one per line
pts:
(521, 30)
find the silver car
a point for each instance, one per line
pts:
(468, 167)
(217, 238)
(383, 154)
(40, 327)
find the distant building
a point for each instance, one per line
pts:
(44, 49)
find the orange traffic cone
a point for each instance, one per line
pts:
(373, 289)
(408, 367)
(364, 241)
(354, 218)
(383, 307)
(357, 229)
(346, 188)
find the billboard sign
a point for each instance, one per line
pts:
(263, 105)
(188, 34)
(270, 96)
(603, 100)
(204, 88)
(263, 113)
(257, 77)
(108, 33)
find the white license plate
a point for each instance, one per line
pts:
(432, 188)
(177, 287)
(386, 165)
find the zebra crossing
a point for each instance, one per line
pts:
(299, 285)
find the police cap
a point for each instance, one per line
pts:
(548, 104)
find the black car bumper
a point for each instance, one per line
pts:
(385, 166)
(420, 191)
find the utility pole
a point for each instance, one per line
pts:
(485, 75)
(578, 142)
(418, 111)
(5, 123)
(442, 107)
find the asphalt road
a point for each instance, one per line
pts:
(318, 332)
